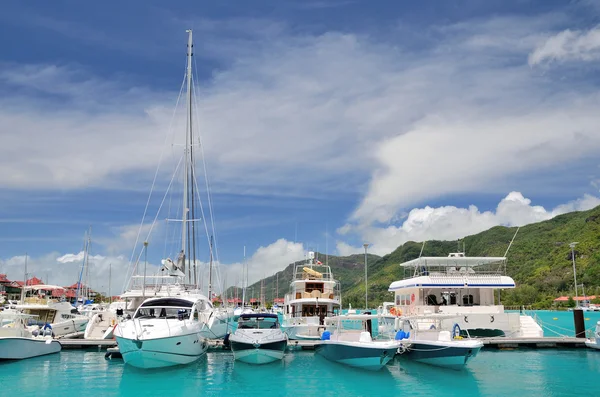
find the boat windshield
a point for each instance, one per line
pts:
(257, 323)
(168, 308)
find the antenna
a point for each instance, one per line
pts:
(511, 241)
(422, 248)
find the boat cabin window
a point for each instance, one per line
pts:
(468, 300)
(314, 286)
(257, 323)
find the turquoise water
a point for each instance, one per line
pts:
(561, 323)
(493, 373)
(547, 372)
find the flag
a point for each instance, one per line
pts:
(319, 263)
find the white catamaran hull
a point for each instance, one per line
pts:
(16, 348)
(162, 352)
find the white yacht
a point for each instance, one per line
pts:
(17, 342)
(258, 339)
(62, 318)
(461, 290)
(180, 278)
(314, 296)
(102, 322)
(164, 332)
(346, 343)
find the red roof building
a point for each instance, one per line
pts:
(34, 281)
(234, 300)
(4, 279)
(279, 301)
(579, 298)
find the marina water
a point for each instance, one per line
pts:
(547, 372)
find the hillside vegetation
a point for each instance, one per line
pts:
(539, 261)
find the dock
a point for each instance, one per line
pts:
(213, 344)
(503, 343)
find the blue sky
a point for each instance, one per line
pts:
(367, 121)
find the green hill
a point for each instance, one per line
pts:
(539, 261)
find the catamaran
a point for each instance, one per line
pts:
(461, 290)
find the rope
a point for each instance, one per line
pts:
(137, 238)
(157, 213)
(209, 199)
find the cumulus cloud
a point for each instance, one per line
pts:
(568, 45)
(450, 223)
(265, 261)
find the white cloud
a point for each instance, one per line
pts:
(64, 270)
(450, 223)
(575, 45)
(264, 262)
(310, 111)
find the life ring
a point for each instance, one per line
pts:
(466, 319)
(395, 312)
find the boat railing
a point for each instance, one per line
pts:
(314, 272)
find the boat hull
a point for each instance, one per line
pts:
(260, 353)
(592, 344)
(441, 355)
(162, 352)
(16, 348)
(367, 356)
(303, 332)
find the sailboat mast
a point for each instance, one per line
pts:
(210, 269)
(244, 279)
(24, 282)
(184, 223)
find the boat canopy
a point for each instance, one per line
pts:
(453, 261)
(464, 281)
(313, 272)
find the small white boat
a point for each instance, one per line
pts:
(103, 323)
(429, 344)
(258, 339)
(594, 343)
(17, 342)
(356, 347)
(163, 332)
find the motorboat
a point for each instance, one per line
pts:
(315, 296)
(61, 317)
(164, 332)
(239, 311)
(431, 345)
(258, 339)
(460, 290)
(346, 343)
(594, 342)
(103, 322)
(17, 342)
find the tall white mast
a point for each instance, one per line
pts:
(244, 280)
(187, 146)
